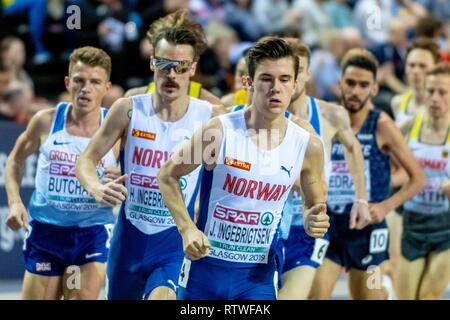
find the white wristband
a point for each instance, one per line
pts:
(362, 201)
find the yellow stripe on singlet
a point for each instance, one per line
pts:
(415, 129)
(194, 89)
(404, 102)
(240, 97)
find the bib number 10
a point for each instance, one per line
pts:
(378, 240)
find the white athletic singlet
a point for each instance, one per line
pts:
(59, 198)
(434, 160)
(150, 143)
(242, 199)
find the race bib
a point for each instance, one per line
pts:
(341, 190)
(184, 273)
(320, 249)
(430, 200)
(65, 192)
(378, 240)
(240, 235)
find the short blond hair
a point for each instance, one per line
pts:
(93, 57)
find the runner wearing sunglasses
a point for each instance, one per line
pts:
(146, 250)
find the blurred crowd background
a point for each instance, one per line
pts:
(37, 37)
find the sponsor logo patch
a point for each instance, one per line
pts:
(237, 164)
(236, 216)
(143, 134)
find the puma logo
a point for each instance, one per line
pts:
(288, 171)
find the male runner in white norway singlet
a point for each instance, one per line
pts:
(255, 158)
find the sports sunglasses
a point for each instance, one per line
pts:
(179, 67)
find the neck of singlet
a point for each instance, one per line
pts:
(300, 107)
(170, 111)
(85, 122)
(437, 124)
(357, 119)
(253, 121)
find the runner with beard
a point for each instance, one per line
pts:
(301, 254)
(361, 252)
(194, 89)
(146, 249)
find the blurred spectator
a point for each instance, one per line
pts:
(409, 12)
(351, 38)
(429, 27)
(445, 54)
(325, 68)
(222, 40)
(339, 13)
(314, 19)
(239, 16)
(21, 87)
(5, 80)
(115, 28)
(36, 11)
(437, 8)
(276, 15)
(117, 24)
(239, 93)
(206, 11)
(13, 56)
(14, 98)
(155, 9)
(391, 56)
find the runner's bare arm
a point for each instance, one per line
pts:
(27, 143)
(113, 128)
(398, 175)
(446, 188)
(228, 100)
(308, 127)
(304, 124)
(218, 109)
(135, 91)
(202, 148)
(360, 216)
(390, 139)
(208, 96)
(314, 189)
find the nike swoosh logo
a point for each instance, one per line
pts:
(56, 143)
(88, 256)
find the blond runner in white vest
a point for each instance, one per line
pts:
(69, 232)
(421, 56)
(424, 270)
